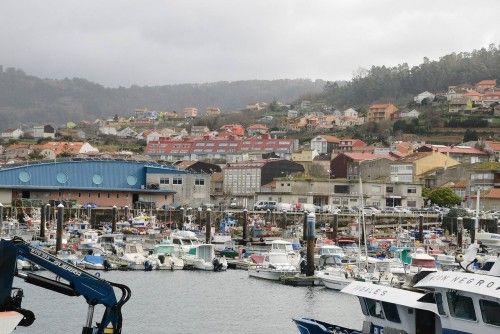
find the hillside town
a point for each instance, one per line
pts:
(298, 154)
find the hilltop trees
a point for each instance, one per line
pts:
(381, 83)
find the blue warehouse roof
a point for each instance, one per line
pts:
(117, 175)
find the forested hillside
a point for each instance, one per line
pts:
(29, 99)
(382, 84)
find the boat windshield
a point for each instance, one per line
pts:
(331, 251)
(424, 263)
(165, 250)
(283, 247)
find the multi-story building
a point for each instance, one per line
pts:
(343, 164)
(484, 85)
(324, 144)
(231, 149)
(190, 112)
(43, 131)
(381, 112)
(411, 168)
(462, 154)
(342, 193)
(242, 180)
(213, 111)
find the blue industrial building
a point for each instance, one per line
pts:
(101, 181)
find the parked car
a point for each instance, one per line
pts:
(403, 209)
(265, 205)
(370, 210)
(308, 207)
(330, 209)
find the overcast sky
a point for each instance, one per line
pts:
(152, 42)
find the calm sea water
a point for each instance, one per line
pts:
(196, 302)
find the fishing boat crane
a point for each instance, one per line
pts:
(95, 290)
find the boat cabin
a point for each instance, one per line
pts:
(466, 302)
(281, 246)
(331, 250)
(205, 252)
(422, 261)
(388, 309)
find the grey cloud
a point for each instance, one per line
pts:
(123, 42)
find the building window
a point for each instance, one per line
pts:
(98, 195)
(109, 195)
(79, 194)
(341, 189)
(412, 190)
(389, 190)
(176, 180)
(117, 195)
(411, 204)
(89, 195)
(164, 180)
(199, 182)
(376, 189)
(302, 199)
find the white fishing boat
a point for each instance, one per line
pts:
(165, 258)
(275, 266)
(8, 321)
(134, 256)
(283, 246)
(202, 257)
(183, 241)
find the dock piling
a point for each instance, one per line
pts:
(310, 237)
(42, 221)
(460, 230)
(304, 227)
(208, 226)
(113, 219)
(60, 220)
(1, 217)
(421, 228)
(335, 227)
(245, 223)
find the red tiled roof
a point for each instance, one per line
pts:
(361, 156)
(258, 126)
(487, 82)
(494, 145)
(473, 93)
(379, 106)
(457, 149)
(493, 193)
(330, 139)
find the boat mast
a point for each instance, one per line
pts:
(363, 220)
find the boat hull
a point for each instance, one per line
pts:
(272, 275)
(311, 326)
(335, 283)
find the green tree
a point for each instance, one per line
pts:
(36, 155)
(470, 135)
(444, 196)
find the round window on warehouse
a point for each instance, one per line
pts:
(97, 179)
(62, 178)
(131, 180)
(24, 176)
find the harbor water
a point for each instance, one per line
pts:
(196, 302)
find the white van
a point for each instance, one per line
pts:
(308, 207)
(284, 207)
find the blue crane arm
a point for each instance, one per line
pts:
(80, 283)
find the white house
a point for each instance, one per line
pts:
(292, 113)
(324, 144)
(108, 130)
(126, 133)
(12, 134)
(424, 95)
(410, 114)
(350, 113)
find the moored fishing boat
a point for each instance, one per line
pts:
(274, 267)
